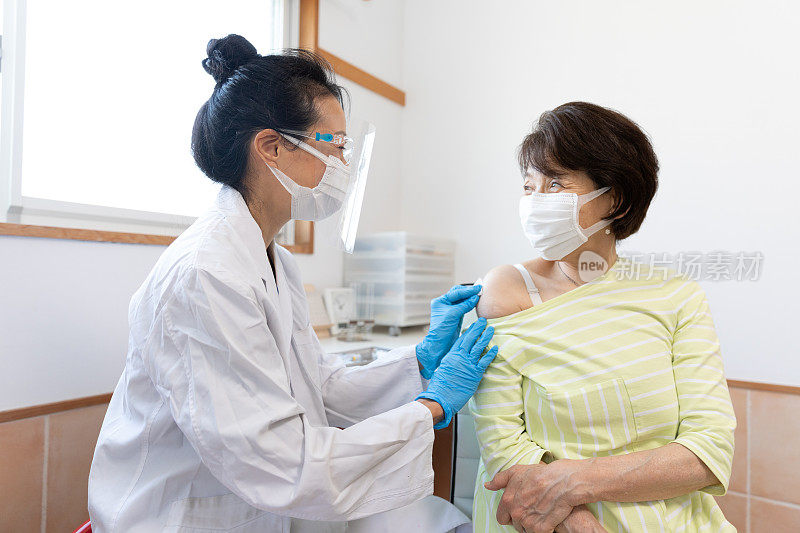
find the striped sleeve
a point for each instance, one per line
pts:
(707, 420)
(497, 409)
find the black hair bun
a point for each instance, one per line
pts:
(226, 55)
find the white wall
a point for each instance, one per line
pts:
(714, 83)
(369, 35)
(63, 304)
(64, 316)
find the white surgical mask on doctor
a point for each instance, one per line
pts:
(550, 221)
(327, 197)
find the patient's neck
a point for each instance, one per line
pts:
(570, 264)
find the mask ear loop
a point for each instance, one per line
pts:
(600, 224)
(589, 196)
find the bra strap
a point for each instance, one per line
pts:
(533, 292)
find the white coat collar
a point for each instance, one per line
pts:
(284, 296)
(231, 203)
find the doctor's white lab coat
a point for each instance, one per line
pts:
(221, 420)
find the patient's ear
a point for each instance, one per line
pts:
(501, 293)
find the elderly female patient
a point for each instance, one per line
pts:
(606, 407)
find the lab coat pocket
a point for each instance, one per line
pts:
(582, 421)
(226, 512)
(307, 351)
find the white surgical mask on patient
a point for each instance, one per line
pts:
(550, 221)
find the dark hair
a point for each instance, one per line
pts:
(252, 93)
(605, 144)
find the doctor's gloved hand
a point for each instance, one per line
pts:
(447, 314)
(461, 370)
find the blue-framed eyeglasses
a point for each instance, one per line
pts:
(345, 143)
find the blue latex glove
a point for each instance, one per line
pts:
(447, 315)
(461, 370)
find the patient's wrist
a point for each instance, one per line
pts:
(583, 482)
(580, 520)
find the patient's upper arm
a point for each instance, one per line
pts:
(503, 293)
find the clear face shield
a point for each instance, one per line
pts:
(338, 197)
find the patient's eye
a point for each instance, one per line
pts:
(555, 185)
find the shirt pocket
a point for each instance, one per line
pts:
(583, 421)
(656, 412)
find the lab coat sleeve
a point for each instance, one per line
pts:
(352, 394)
(707, 420)
(216, 365)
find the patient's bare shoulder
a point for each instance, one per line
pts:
(503, 293)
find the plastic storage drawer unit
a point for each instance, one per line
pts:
(405, 272)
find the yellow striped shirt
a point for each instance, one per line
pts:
(629, 361)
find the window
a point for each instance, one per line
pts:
(98, 103)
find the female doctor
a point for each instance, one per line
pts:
(225, 417)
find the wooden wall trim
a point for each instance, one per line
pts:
(55, 407)
(309, 39)
(757, 385)
(309, 24)
(364, 78)
(51, 232)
